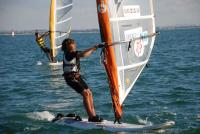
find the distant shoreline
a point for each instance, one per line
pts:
(31, 32)
(177, 27)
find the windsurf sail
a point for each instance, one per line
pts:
(128, 29)
(13, 33)
(59, 23)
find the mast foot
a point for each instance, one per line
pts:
(117, 121)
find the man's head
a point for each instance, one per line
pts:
(68, 45)
(36, 34)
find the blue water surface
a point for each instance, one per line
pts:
(31, 91)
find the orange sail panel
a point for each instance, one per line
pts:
(109, 61)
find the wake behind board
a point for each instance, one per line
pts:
(56, 63)
(110, 126)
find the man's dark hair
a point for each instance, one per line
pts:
(66, 42)
(36, 33)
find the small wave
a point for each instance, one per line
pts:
(39, 63)
(26, 129)
(166, 113)
(144, 122)
(198, 116)
(172, 113)
(181, 89)
(58, 105)
(45, 115)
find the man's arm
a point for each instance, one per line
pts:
(45, 34)
(87, 52)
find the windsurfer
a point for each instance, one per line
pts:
(71, 68)
(41, 43)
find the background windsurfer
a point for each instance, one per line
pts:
(40, 39)
(71, 68)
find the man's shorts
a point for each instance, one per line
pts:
(75, 81)
(45, 49)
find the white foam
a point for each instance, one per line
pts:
(56, 63)
(39, 63)
(198, 116)
(172, 113)
(144, 122)
(45, 115)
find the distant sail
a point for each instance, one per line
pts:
(13, 33)
(128, 27)
(59, 23)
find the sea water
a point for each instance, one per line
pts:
(32, 92)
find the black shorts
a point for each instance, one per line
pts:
(75, 82)
(45, 49)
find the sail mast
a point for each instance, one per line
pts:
(52, 22)
(109, 61)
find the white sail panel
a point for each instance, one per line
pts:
(62, 23)
(131, 19)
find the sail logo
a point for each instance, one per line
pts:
(102, 7)
(131, 11)
(138, 47)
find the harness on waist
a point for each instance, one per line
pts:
(41, 42)
(72, 65)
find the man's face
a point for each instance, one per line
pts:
(72, 47)
(36, 35)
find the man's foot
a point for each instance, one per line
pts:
(70, 115)
(58, 117)
(78, 118)
(74, 116)
(95, 119)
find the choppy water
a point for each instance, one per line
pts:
(31, 91)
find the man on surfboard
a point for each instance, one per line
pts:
(71, 68)
(41, 43)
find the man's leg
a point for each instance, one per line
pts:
(92, 103)
(47, 52)
(53, 59)
(88, 103)
(49, 57)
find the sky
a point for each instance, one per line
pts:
(34, 14)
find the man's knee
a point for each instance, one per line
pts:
(86, 93)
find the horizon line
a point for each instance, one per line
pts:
(31, 31)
